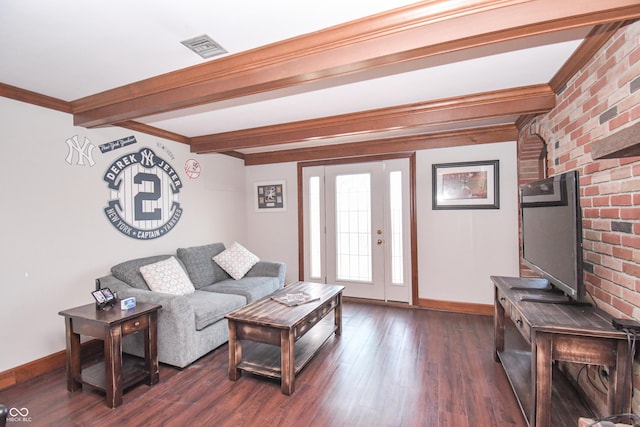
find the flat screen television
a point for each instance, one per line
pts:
(551, 224)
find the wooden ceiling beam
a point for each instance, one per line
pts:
(508, 102)
(390, 145)
(403, 35)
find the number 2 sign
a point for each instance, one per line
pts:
(144, 195)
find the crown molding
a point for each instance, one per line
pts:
(150, 130)
(34, 98)
(591, 44)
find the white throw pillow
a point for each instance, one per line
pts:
(236, 260)
(167, 276)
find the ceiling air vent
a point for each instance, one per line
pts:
(204, 46)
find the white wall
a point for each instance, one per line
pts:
(274, 235)
(55, 236)
(459, 249)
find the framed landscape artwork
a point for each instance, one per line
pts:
(270, 196)
(466, 185)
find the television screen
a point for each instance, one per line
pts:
(552, 232)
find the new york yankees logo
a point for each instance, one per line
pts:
(84, 151)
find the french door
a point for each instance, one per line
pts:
(356, 228)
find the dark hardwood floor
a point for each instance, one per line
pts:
(391, 367)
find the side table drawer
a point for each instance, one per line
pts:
(504, 302)
(135, 325)
(521, 324)
(314, 318)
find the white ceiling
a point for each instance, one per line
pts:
(70, 49)
(521, 68)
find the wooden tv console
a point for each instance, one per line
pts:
(556, 332)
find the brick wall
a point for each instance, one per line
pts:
(601, 99)
(530, 168)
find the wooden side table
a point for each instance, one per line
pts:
(563, 332)
(114, 374)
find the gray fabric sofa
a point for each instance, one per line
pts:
(190, 326)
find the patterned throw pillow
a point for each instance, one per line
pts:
(168, 277)
(236, 260)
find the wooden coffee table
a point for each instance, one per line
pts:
(282, 339)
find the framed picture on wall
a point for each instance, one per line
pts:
(466, 185)
(270, 196)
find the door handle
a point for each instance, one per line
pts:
(379, 241)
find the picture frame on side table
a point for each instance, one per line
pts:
(270, 196)
(105, 299)
(466, 185)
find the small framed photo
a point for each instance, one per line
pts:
(99, 296)
(104, 298)
(108, 294)
(466, 185)
(270, 196)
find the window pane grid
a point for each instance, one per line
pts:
(315, 270)
(353, 227)
(395, 200)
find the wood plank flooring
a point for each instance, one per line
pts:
(391, 367)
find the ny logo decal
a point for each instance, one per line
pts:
(85, 151)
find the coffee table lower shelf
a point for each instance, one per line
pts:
(265, 359)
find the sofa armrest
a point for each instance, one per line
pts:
(176, 323)
(269, 269)
(170, 303)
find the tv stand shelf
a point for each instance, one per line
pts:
(550, 332)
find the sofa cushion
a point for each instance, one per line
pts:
(236, 260)
(209, 307)
(199, 264)
(129, 271)
(167, 276)
(252, 288)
